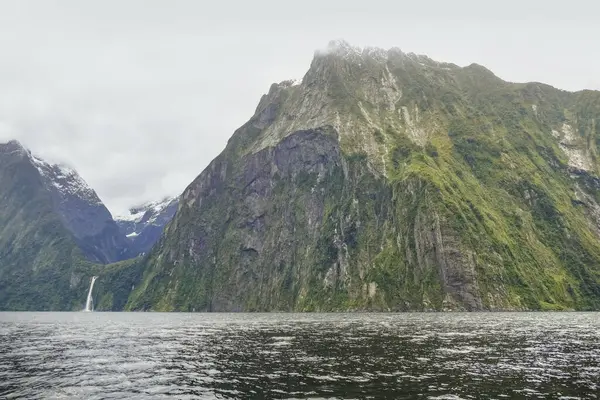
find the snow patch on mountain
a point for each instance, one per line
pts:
(147, 213)
(65, 180)
(80, 209)
(144, 224)
(131, 217)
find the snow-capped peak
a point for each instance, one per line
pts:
(132, 216)
(158, 206)
(144, 224)
(65, 180)
(147, 212)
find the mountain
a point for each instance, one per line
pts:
(39, 256)
(81, 212)
(54, 233)
(382, 181)
(390, 181)
(144, 224)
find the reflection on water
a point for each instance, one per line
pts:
(429, 356)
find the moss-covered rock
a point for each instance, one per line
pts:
(389, 181)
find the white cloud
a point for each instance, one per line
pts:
(139, 96)
(6, 131)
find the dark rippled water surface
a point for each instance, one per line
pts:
(429, 356)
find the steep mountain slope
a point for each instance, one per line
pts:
(389, 181)
(82, 212)
(145, 223)
(39, 257)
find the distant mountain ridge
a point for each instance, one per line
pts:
(145, 223)
(103, 238)
(55, 230)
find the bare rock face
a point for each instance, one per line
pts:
(283, 229)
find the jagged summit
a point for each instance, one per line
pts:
(65, 180)
(344, 50)
(56, 176)
(13, 147)
(341, 48)
(15, 144)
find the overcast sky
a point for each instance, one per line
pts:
(139, 96)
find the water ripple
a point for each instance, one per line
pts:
(206, 356)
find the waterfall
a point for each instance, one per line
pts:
(88, 303)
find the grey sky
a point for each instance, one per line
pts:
(139, 96)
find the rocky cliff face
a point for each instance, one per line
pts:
(389, 181)
(145, 223)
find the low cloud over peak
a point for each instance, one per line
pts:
(140, 96)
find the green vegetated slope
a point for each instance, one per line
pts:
(382, 181)
(389, 181)
(42, 267)
(115, 283)
(38, 257)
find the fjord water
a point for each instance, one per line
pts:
(429, 356)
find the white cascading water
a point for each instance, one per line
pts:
(88, 303)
